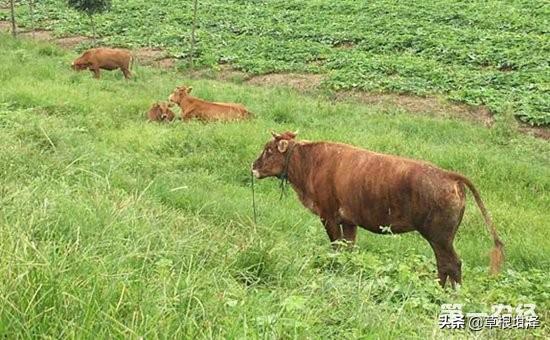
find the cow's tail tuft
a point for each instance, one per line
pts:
(497, 253)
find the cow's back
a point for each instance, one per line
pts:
(220, 111)
(110, 58)
(154, 113)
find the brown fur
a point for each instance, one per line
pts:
(349, 187)
(104, 58)
(161, 112)
(192, 107)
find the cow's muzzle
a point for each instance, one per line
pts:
(255, 172)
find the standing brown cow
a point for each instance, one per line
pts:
(349, 187)
(192, 107)
(161, 112)
(106, 59)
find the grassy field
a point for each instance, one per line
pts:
(115, 227)
(493, 53)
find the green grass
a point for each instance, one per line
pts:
(493, 53)
(115, 227)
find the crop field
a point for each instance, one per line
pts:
(492, 53)
(115, 227)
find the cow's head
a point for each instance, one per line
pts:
(166, 113)
(155, 112)
(180, 93)
(79, 65)
(271, 161)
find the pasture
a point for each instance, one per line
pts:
(115, 227)
(492, 53)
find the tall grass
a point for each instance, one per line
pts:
(115, 227)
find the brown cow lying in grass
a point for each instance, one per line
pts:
(192, 107)
(349, 187)
(104, 58)
(161, 112)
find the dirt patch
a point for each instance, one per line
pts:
(72, 42)
(155, 57)
(45, 35)
(41, 35)
(224, 73)
(227, 73)
(5, 26)
(536, 131)
(148, 56)
(166, 63)
(300, 82)
(431, 106)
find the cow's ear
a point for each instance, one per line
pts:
(282, 145)
(189, 89)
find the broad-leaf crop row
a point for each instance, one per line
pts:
(492, 52)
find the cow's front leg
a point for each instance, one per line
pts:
(335, 232)
(95, 71)
(350, 233)
(185, 115)
(126, 72)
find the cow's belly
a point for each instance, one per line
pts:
(393, 211)
(109, 66)
(388, 228)
(381, 221)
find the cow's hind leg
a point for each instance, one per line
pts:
(448, 264)
(440, 233)
(126, 72)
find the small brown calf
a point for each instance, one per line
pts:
(104, 58)
(161, 112)
(192, 107)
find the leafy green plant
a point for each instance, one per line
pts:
(481, 53)
(91, 7)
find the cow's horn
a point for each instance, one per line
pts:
(275, 135)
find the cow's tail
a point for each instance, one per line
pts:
(497, 253)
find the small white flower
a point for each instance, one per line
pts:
(385, 229)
